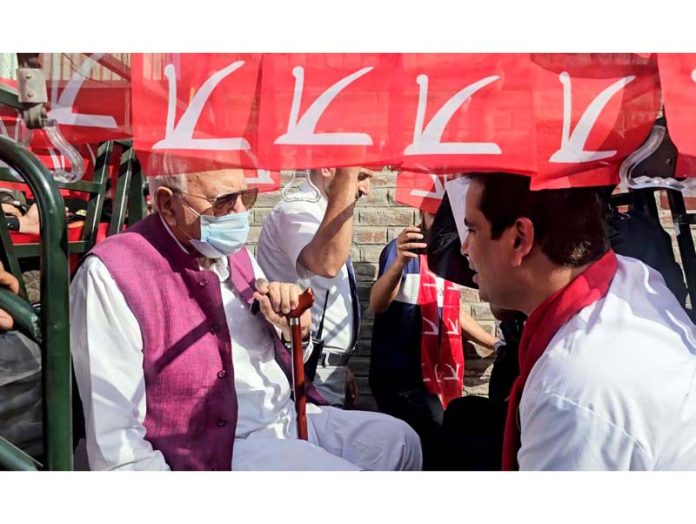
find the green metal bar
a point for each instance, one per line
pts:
(118, 213)
(79, 247)
(96, 202)
(5, 175)
(55, 326)
(86, 186)
(94, 209)
(8, 255)
(14, 459)
(34, 250)
(137, 207)
(9, 97)
(27, 250)
(25, 317)
(80, 185)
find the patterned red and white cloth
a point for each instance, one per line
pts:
(442, 350)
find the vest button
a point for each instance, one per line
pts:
(215, 328)
(203, 283)
(222, 373)
(221, 422)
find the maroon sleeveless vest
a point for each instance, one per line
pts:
(187, 352)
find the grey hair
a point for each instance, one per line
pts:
(166, 163)
(176, 183)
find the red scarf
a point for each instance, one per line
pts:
(544, 322)
(442, 353)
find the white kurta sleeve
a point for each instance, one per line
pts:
(107, 353)
(300, 222)
(559, 435)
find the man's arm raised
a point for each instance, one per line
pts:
(328, 251)
(387, 286)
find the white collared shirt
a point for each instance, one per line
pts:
(616, 387)
(107, 352)
(286, 231)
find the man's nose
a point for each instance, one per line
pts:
(465, 246)
(239, 206)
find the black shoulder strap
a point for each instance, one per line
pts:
(313, 360)
(320, 329)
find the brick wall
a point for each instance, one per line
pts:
(377, 220)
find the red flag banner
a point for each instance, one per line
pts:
(329, 110)
(264, 179)
(564, 119)
(469, 112)
(198, 112)
(51, 157)
(678, 80)
(424, 191)
(89, 96)
(591, 112)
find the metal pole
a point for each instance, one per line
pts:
(55, 323)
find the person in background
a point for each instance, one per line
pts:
(20, 381)
(477, 422)
(19, 216)
(417, 359)
(601, 329)
(307, 241)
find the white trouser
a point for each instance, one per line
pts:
(338, 441)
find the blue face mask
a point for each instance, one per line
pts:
(222, 236)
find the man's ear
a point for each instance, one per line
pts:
(524, 240)
(164, 198)
(326, 172)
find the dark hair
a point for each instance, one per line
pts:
(569, 224)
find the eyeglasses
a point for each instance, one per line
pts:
(224, 204)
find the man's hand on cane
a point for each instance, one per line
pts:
(276, 300)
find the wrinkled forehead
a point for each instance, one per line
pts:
(213, 183)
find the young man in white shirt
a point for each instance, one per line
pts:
(607, 357)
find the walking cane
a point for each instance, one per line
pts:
(306, 300)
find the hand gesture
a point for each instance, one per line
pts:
(408, 241)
